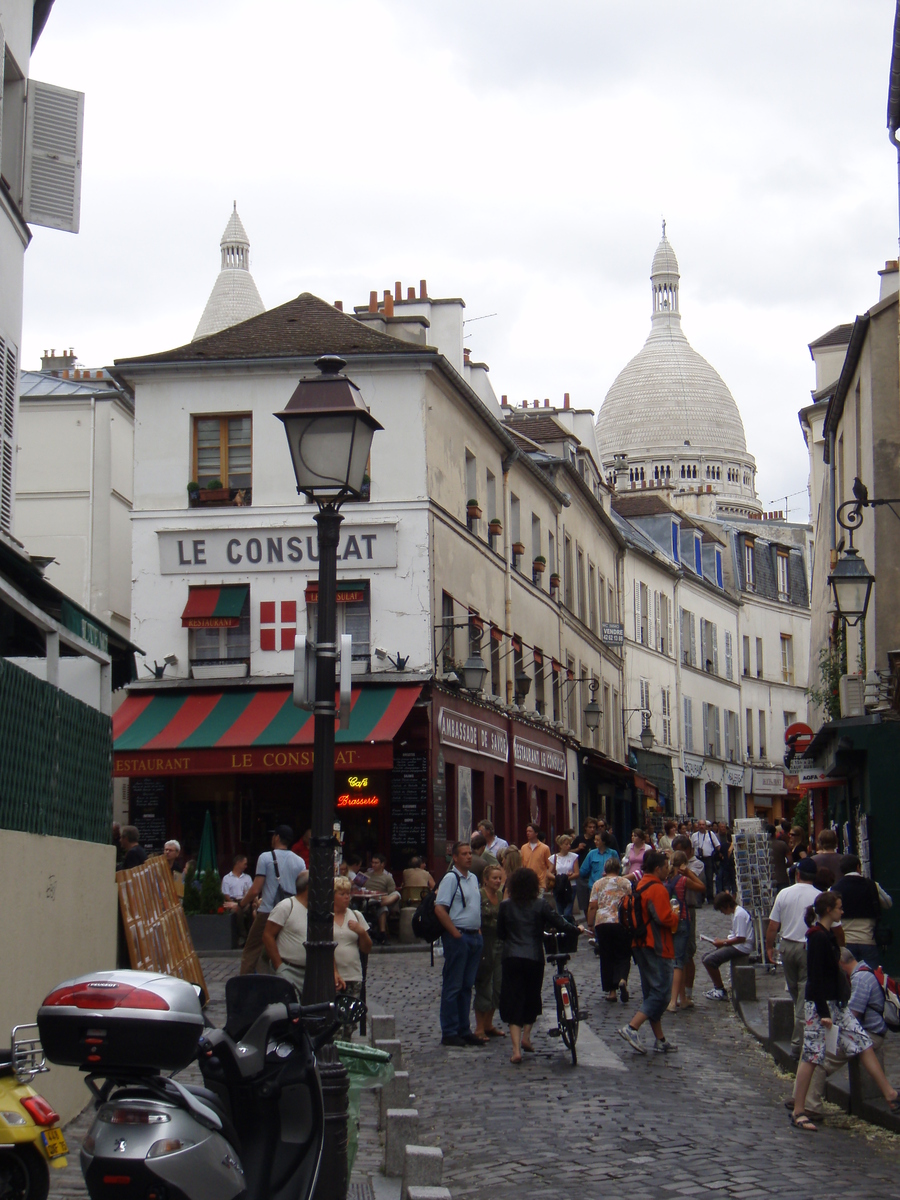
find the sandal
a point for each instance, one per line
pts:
(802, 1122)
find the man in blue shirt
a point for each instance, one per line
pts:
(458, 908)
(595, 862)
(276, 868)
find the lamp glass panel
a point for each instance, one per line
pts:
(321, 449)
(359, 458)
(592, 714)
(851, 594)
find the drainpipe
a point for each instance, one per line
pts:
(679, 703)
(620, 604)
(507, 565)
(832, 508)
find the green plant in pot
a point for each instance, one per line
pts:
(540, 564)
(202, 896)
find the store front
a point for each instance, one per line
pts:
(767, 795)
(488, 766)
(246, 756)
(607, 791)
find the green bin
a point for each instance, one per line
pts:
(367, 1068)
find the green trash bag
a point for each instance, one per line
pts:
(367, 1068)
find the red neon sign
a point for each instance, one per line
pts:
(348, 801)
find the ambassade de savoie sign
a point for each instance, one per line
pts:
(291, 548)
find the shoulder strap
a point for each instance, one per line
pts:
(275, 861)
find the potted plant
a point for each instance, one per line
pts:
(193, 489)
(518, 548)
(214, 492)
(495, 526)
(554, 581)
(473, 512)
(210, 926)
(539, 565)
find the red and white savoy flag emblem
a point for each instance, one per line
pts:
(275, 633)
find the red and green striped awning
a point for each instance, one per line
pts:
(247, 730)
(214, 607)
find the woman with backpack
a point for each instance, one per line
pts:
(613, 943)
(563, 872)
(827, 994)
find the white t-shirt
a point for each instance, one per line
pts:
(346, 951)
(789, 908)
(235, 887)
(564, 864)
(742, 926)
(293, 917)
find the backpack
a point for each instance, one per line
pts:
(631, 916)
(425, 923)
(891, 997)
(280, 893)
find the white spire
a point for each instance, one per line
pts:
(664, 278)
(234, 297)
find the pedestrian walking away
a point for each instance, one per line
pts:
(683, 885)
(706, 846)
(830, 1023)
(613, 942)
(741, 942)
(275, 879)
(285, 933)
(458, 908)
(521, 922)
(489, 977)
(788, 918)
(654, 952)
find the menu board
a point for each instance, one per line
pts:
(409, 808)
(149, 802)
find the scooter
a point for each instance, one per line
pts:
(253, 1132)
(30, 1139)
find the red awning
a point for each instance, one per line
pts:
(214, 607)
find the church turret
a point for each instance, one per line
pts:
(234, 297)
(664, 278)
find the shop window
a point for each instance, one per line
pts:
(353, 617)
(222, 641)
(222, 455)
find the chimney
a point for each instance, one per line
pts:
(388, 303)
(423, 290)
(524, 403)
(466, 355)
(890, 280)
(398, 292)
(54, 362)
(566, 400)
(410, 293)
(373, 302)
(98, 374)
(339, 305)
(504, 401)
(546, 403)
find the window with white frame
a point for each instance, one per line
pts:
(749, 567)
(570, 692)
(709, 647)
(218, 643)
(645, 703)
(353, 617)
(712, 736)
(787, 658)
(746, 646)
(592, 597)
(569, 581)
(688, 638)
(762, 733)
(665, 625)
(748, 723)
(582, 600)
(784, 586)
(607, 721)
(789, 719)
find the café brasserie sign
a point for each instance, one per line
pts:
(276, 548)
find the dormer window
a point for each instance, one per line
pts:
(675, 552)
(698, 555)
(719, 578)
(749, 567)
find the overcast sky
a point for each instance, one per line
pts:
(520, 155)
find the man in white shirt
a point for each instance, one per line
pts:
(787, 918)
(706, 846)
(237, 882)
(740, 942)
(494, 844)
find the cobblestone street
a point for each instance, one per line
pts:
(706, 1122)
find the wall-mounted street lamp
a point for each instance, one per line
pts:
(851, 580)
(592, 711)
(329, 432)
(647, 738)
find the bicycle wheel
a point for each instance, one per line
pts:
(567, 1014)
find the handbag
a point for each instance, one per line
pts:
(562, 887)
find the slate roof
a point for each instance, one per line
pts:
(641, 504)
(542, 427)
(303, 327)
(839, 336)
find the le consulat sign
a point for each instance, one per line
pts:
(292, 548)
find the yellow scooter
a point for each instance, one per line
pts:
(30, 1137)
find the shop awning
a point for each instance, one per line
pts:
(249, 730)
(214, 607)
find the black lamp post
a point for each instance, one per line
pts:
(329, 431)
(851, 582)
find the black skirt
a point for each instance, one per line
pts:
(520, 990)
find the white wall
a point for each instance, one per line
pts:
(59, 914)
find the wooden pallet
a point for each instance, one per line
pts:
(156, 929)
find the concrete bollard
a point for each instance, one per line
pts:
(423, 1166)
(394, 1048)
(743, 983)
(381, 1025)
(781, 1019)
(401, 1128)
(428, 1193)
(393, 1094)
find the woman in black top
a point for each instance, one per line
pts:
(827, 993)
(521, 922)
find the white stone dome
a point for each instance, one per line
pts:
(668, 401)
(234, 297)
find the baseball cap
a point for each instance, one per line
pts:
(806, 866)
(284, 832)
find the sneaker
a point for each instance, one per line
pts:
(631, 1037)
(717, 994)
(452, 1040)
(664, 1047)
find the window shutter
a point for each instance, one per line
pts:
(657, 628)
(8, 377)
(669, 646)
(54, 120)
(688, 724)
(637, 612)
(718, 740)
(705, 728)
(704, 639)
(2, 61)
(715, 648)
(729, 656)
(693, 640)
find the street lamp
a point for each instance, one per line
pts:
(851, 581)
(474, 673)
(647, 738)
(592, 712)
(329, 432)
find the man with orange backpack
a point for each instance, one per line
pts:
(650, 919)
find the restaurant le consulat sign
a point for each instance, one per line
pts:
(279, 548)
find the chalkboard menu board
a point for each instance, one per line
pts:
(149, 802)
(409, 808)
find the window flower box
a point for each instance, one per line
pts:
(495, 526)
(220, 670)
(518, 548)
(554, 581)
(473, 512)
(540, 564)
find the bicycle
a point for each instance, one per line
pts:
(566, 994)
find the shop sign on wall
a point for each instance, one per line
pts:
(466, 733)
(734, 776)
(217, 551)
(612, 634)
(768, 783)
(534, 757)
(693, 766)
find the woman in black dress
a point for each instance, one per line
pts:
(521, 922)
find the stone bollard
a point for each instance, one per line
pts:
(423, 1166)
(401, 1128)
(381, 1025)
(428, 1193)
(743, 983)
(781, 1019)
(393, 1094)
(394, 1048)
